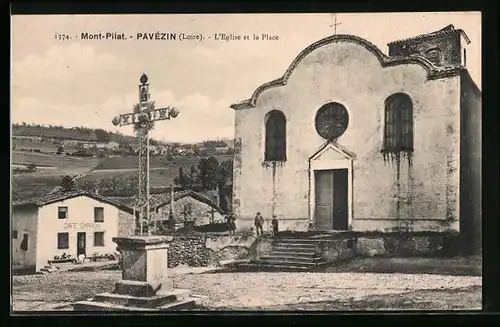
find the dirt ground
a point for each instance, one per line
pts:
(269, 291)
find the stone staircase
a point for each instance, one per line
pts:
(288, 254)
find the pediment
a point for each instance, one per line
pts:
(332, 152)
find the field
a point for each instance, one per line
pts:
(59, 161)
(42, 181)
(110, 163)
(27, 185)
(132, 162)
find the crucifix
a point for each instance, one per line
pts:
(143, 119)
(334, 25)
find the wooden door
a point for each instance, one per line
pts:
(340, 199)
(331, 208)
(81, 240)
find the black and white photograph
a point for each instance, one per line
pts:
(246, 162)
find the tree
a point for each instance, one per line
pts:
(193, 176)
(31, 167)
(102, 135)
(196, 150)
(181, 179)
(68, 183)
(225, 173)
(207, 168)
(60, 150)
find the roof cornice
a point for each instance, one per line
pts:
(433, 72)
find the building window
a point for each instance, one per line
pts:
(62, 212)
(275, 148)
(99, 214)
(465, 57)
(99, 239)
(24, 243)
(433, 55)
(14, 234)
(398, 129)
(331, 121)
(62, 241)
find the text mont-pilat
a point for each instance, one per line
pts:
(103, 36)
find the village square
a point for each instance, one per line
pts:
(351, 182)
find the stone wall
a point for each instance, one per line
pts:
(389, 245)
(204, 250)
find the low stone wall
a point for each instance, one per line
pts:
(204, 250)
(336, 250)
(400, 245)
(352, 245)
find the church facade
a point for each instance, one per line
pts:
(352, 139)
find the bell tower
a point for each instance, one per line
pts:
(446, 47)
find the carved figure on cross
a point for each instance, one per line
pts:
(334, 25)
(142, 119)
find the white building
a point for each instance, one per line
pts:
(74, 223)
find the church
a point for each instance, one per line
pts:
(350, 138)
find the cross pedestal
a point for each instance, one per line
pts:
(145, 285)
(144, 265)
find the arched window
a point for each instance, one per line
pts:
(275, 136)
(398, 129)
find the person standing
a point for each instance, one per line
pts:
(259, 223)
(231, 223)
(274, 225)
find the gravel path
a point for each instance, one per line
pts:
(241, 291)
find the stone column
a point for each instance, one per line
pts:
(144, 262)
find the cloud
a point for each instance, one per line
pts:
(65, 73)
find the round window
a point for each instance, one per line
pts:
(331, 120)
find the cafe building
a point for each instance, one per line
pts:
(66, 223)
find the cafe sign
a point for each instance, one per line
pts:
(82, 225)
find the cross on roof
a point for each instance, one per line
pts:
(334, 25)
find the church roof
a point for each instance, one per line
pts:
(444, 31)
(433, 72)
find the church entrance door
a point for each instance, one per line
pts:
(331, 193)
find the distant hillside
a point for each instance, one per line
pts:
(97, 135)
(69, 133)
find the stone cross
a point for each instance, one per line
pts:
(143, 118)
(334, 25)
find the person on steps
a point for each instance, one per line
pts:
(274, 225)
(259, 223)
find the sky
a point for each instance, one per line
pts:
(88, 82)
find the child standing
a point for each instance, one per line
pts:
(274, 224)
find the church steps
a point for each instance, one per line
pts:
(299, 240)
(290, 258)
(292, 262)
(278, 252)
(295, 249)
(309, 246)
